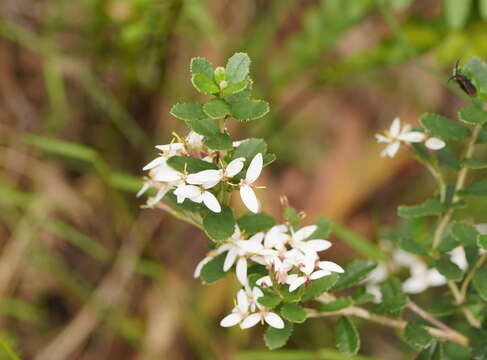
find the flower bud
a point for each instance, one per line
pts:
(220, 74)
(223, 84)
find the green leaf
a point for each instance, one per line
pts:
(465, 233)
(293, 312)
(472, 115)
(216, 108)
(204, 84)
(476, 69)
(474, 164)
(269, 301)
(410, 245)
(190, 164)
(205, 127)
(443, 128)
(482, 241)
(456, 13)
(238, 67)
(253, 223)
(235, 88)
(448, 158)
(249, 148)
(433, 352)
(478, 342)
(393, 299)
(186, 205)
(480, 283)
(248, 110)
(479, 188)
(417, 336)
(428, 208)
(213, 270)
(188, 111)
(319, 286)
(219, 226)
(323, 230)
(346, 336)
(276, 338)
(338, 304)
(449, 269)
(220, 141)
(355, 272)
(202, 66)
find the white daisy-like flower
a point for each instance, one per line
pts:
(198, 194)
(215, 176)
(246, 192)
(395, 136)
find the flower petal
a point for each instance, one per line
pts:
(154, 163)
(412, 136)
(296, 283)
(241, 271)
(255, 168)
(435, 143)
(234, 167)
(395, 127)
(187, 191)
(250, 321)
(304, 232)
(318, 245)
(231, 320)
(242, 301)
(319, 274)
(167, 175)
(230, 259)
(330, 266)
(249, 199)
(392, 149)
(204, 176)
(142, 190)
(274, 320)
(211, 202)
(414, 285)
(197, 270)
(170, 147)
(382, 139)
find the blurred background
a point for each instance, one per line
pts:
(85, 90)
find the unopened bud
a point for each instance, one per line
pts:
(223, 84)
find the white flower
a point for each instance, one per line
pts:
(422, 278)
(209, 256)
(434, 143)
(198, 194)
(458, 257)
(246, 192)
(215, 176)
(396, 135)
(298, 238)
(247, 300)
(194, 140)
(307, 266)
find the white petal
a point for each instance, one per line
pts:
(319, 274)
(234, 167)
(230, 259)
(156, 162)
(249, 199)
(296, 283)
(187, 191)
(204, 176)
(241, 271)
(250, 321)
(255, 168)
(264, 281)
(242, 301)
(197, 270)
(250, 246)
(170, 147)
(274, 320)
(330, 266)
(231, 320)
(304, 232)
(257, 237)
(211, 202)
(167, 175)
(412, 136)
(318, 245)
(395, 127)
(209, 185)
(382, 139)
(257, 293)
(435, 143)
(160, 194)
(142, 190)
(392, 149)
(434, 278)
(414, 285)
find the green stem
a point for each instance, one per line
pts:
(463, 289)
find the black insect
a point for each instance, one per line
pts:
(464, 82)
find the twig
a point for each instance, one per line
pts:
(426, 316)
(470, 275)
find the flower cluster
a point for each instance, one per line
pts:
(290, 257)
(396, 136)
(200, 186)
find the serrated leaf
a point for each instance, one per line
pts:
(428, 208)
(474, 164)
(443, 128)
(293, 312)
(253, 223)
(235, 88)
(319, 286)
(417, 336)
(219, 141)
(346, 336)
(448, 269)
(482, 241)
(237, 67)
(213, 270)
(248, 110)
(204, 84)
(276, 338)
(442, 307)
(216, 108)
(465, 233)
(188, 111)
(269, 301)
(190, 164)
(472, 115)
(393, 298)
(249, 148)
(479, 188)
(410, 245)
(480, 283)
(323, 230)
(476, 69)
(205, 127)
(219, 226)
(456, 13)
(338, 304)
(203, 66)
(269, 159)
(356, 271)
